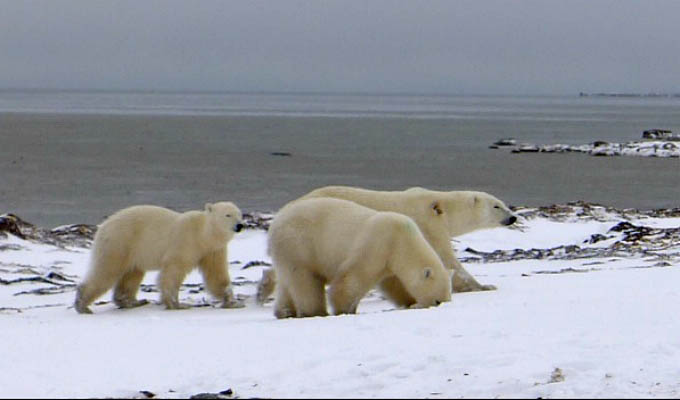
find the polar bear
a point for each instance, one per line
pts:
(142, 238)
(439, 215)
(323, 241)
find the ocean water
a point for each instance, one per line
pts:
(75, 157)
(541, 119)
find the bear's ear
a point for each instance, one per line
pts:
(436, 208)
(208, 207)
(428, 273)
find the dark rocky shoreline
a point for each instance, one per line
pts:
(629, 239)
(623, 239)
(81, 235)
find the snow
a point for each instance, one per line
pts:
(612, 330)
(643, 148)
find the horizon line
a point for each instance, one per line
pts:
(278, 92)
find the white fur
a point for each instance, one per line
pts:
(142, 238)
(322, 241)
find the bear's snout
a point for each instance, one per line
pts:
(238, 227)
(510, 220)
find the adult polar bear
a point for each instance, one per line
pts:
(439, 215)
(323, 241)
(141, 238)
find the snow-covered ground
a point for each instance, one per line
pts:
(581, 311)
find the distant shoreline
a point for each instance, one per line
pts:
(661, 95)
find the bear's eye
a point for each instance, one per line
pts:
(496, 207)
(228, 215)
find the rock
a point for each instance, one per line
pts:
(659, 134)
(79, 235)
(599, 143)
(10, 223)
(256, 263)
(257, 220)
(206, 396)
(505, 142)
(556, 376)
(225, 394)
(526, 148)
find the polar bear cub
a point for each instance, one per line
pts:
(350, 248)
(141, 238)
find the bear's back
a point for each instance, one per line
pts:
(319, 226)
(141, 217)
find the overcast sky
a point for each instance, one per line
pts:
(461, 47)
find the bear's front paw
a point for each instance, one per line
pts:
(82, 310)
(130, 303)
(284, 313)
(489, 287)
(175, 305)
(233, 303)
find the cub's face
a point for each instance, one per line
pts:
(435, 286)
(225, 216)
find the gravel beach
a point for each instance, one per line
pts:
(79, 168)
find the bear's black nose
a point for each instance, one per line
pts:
(511, 220)
(238, 227)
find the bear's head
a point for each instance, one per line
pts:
(224, 217)
(467, 211)
(418, 267)
(432, 287)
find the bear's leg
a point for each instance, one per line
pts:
(308, 294)
(103, 274)
(169, 281)
(266, 285)
(283, 307)
(395, 291)
(347, 289)
(358, 276)
(125, 293)
(462, 281)
(216, 278)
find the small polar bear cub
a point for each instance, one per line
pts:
(351, 248)
(142, 238)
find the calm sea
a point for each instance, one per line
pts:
(69, 157)
(540, 119)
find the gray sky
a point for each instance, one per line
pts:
(461, 47)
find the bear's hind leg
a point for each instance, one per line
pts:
(283, 306)
(125, 292)
(308, 293)
(266, 286)
(101, 277)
